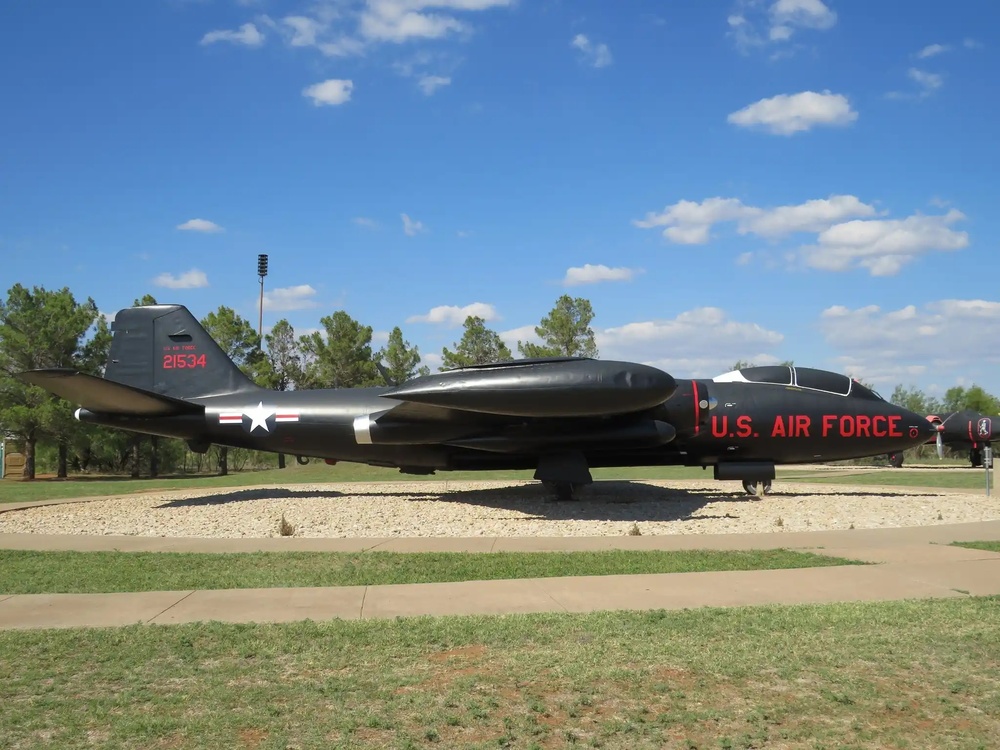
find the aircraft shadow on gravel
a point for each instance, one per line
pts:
(239, 496)
(601, 501)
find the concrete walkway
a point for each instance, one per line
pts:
(910, 563)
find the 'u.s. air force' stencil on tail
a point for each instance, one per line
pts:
(559, 416)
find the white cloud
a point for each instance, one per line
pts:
(331, 92)
(401, 20)
(786, 114)
(890, 347)
(433, 360)
(287, 298)
(971, 43)
(410, 226)
(200, 225)
(684, 338)
(689, 222)
(525, 334)
(927, 84)
(347, 28)
(454, 316)
(932, 49)
(247, 34)
(803, 14)
(364, 221)
(811, 216)
(845, 237)
(192, 279)
(591, 274)
(595, 55)
(755, 24)
(884, 246)
(303, 30)
(429, 84)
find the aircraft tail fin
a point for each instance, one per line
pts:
(165, 350)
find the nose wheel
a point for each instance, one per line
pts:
(751, 487)
(564, 491)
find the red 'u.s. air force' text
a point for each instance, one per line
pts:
(803, 426)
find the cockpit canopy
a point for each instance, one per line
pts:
(803, 377)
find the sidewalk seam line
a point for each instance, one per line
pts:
(364, 596)
(183, 598)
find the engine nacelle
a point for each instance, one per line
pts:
(688, 408)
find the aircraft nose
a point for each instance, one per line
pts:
(925, 428)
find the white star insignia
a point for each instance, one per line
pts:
(258, 416)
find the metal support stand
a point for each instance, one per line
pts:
(988, 465)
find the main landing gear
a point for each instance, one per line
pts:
(564, 474)
(750, 486)
(976, 458)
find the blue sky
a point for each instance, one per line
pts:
(781, 179)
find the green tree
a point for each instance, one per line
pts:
(40, 328)
(565, 331)
(283, 358)
(401, 360)
(237, 338)
(915, 400)
(479, 345)
(145, 301)
(743, 363)
(973, 397)
(342, 358)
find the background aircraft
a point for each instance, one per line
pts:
(960, 430)
(559, 416)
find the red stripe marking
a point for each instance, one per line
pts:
(697, 408)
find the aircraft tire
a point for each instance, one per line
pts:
(750, 486)
(896, 460)
(563, 491)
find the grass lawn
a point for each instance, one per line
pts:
(973, 479)
(988, 546)
(27, 572)
(921, 674)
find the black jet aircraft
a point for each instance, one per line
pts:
(960, 430)
(558, 416)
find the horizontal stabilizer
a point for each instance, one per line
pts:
(106, 396)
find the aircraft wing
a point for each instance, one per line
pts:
(525, 406)
(106, 396)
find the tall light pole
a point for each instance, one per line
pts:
(261, 272)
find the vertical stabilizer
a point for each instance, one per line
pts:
(164, 349)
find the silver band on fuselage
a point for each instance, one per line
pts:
(363, 430)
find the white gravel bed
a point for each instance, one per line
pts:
(495, 508)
